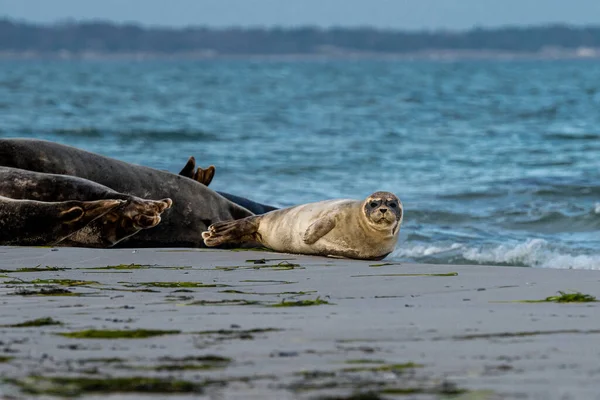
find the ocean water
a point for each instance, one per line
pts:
(495, 162)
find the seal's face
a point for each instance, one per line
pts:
(383, 209)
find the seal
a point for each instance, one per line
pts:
(205, 176)
(134, 215)
(195, 206)
(366, 230)
(38, 223)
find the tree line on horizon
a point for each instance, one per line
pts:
(107, 37)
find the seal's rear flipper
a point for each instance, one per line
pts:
(204, 176)
(188, 169)
(241, 230)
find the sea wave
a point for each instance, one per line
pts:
(154, 135)
(537, 253)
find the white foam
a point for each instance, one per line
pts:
(597, 208)
(423, 250)
(533, 253)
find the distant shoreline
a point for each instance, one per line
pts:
(102, 40)
(441, 55)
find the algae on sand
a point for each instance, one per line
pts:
(177, 284)
(49, 291)
(562, 297)
(77, 386)
(440, 274)
(35, 322)
(576, 297)
(117, 334)
(383, 368)
(37, 268)
(122, 266)
(301, 303)
(62, 282)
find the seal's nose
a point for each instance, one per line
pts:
(383, 210)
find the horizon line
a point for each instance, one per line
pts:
(89, 21)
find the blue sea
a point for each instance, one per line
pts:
(496, 162)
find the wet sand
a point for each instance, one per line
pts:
(395, 331)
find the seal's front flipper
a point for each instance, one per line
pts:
(318, 229)
(240, 230)
(188, 169)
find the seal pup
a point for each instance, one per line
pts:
(39, 223)
(134, 215)
(195, 206)
(365, 230)
(205, 176)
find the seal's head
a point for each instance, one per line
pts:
(383, 211)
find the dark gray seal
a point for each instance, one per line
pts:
(195, 207)
(205, 176)
(134, 215)
(38, 223)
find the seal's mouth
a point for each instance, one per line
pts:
(383, 216)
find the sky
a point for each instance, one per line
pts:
(395, 14)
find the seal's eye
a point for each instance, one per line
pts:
(373, 204)
(393, 205)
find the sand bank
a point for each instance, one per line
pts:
(223, 332)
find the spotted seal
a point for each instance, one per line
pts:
(365, 229)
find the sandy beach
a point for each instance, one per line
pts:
(259, 325)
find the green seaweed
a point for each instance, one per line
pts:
(576, 297)
(238, 331)
(177, 284)
(301, 303)
(441, 274)
(146, 290)
(107, 360)
(383, 264)
(121, 267)
(184, 367)
(265, 260)
(50, 291)
(77, 386)
(364, 361)
(282, 266)
(209, 358)
(356, 396)
(268, 281)
(62, 282)
(383, 368)
(37, 268)
(228, 302)
(501, 335)
(5, 359)
(269, 293)
(190, 363)
(117, 334)
(35, 322)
